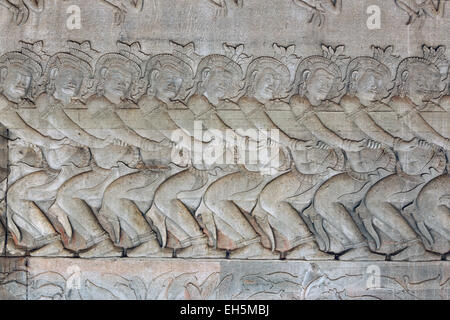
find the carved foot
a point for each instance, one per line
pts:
(54, 249)
(150, 249)
(102, 250)
(416, 253)
(201, 251)
(361, 254)
(310, 252)
(254, 251)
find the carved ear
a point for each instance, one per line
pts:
(253, 75)
(205, 73)
(405, 75)
(3, 74)
(306, 75)
(53, 73)
(354, 75)
(103, 72)
(154, 76)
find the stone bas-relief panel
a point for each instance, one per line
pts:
(127, 154)
(150, 279)
(222, 132)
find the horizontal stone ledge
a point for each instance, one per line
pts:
(135, 278)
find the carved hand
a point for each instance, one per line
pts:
(118, 142)
(322, 145)
(372, 144)
(403, 145)
(355, 146)
(425, 145)
(299, 145)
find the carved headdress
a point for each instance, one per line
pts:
(382, 62)
(231, 62)
(434, 58)
(29, 58)
(79, 57)
(283, 58)
(165, 62)
(127, 58)
(332, 60)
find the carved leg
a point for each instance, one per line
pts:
(327, 203)
(179, 220)
(117, 203)
(2, 239)
(237, 227)
(80, 216)
(29, 226)
(435, 194)
(286, 220)
(378, 205)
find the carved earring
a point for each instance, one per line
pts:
(101, 88)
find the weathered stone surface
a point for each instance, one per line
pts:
(140, 279)
(311, 131)
(150, 279)
(13, 279)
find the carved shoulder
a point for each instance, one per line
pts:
(350, 104)
(198, 104)
(148, 104)
(445, 103)
(300, 106)
(401, 106)
(42, 103)
(96, 104)
(248, 105)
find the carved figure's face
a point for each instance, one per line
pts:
(218, 83)
(117, 81)
(167, 83)
(68, 81)
(369, 85)
(422, 82)
(16, 82)
(320, 83)
(267, 83)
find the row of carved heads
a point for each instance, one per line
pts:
(234, 70)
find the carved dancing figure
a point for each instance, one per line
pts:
(169, 80)
(420, 9)
(222, 5)
(69, 78)
(369, 81)
(281, 198)
(319, 9)
(319, 79)
(431, 207)
(20, 73)
(122, 7)
(20, 9)
(117, 76)
(267, 79)
(418, 81)
(218, 78)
